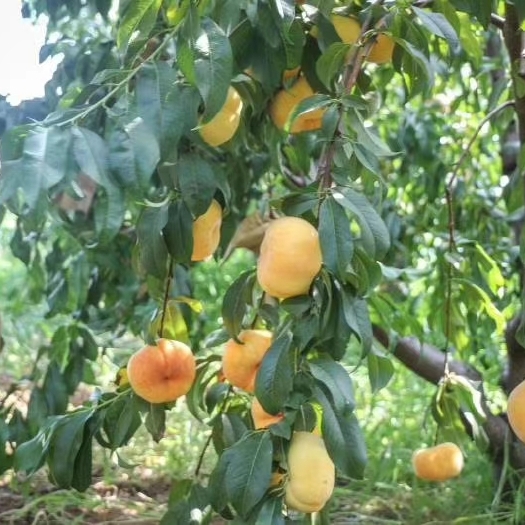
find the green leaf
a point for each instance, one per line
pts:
(366, 137)
(317, 101)
(109, 211)
(152, 248)
(380, 370)
(20, 245)
(197, 398)
(217, 484)
(335, 382)
(249, 470)
(299, 203)
(489, 268)
(358, 319)
(64, 445)
(285, 10)
(227, 430)
(78, 276)
(298, 305)
(365, 273)
(31, 455)
(374, 233)
(55, 389)
(343, 438)
(470, 43)
(334, 234)
(60, 347)
(83, 467)
(330, 63)
(156, 422)
(136, 15)
(213, 66)
(234, 303)
(196, 181)
(178, 232)
(6, 459)
(133, 153)
(418, 73)
(252, 50)
(271, 512)
(167, 107)
(293, 40)
(275, 376)
(481, 10)
(42, 164)
(37, 410)
(438, 25)
(479, 296)
(91, 154)
(121, 421)
(469, 398)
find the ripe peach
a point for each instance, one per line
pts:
(285, 102)
(241, 361)
(207, 232)
(516, 410)
(347, 28)
(439, 463)
(311, 473)
(382, 50)
(290, 257)
(261, 418)
(162, 373)
(222, 127)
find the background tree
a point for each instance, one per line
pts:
(419, 230)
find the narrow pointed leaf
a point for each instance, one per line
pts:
(275, 376)
(136, 15)
(335, 237)
(374, 233)
(249, 471)
(213, 66)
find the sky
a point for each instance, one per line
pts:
(21, 76)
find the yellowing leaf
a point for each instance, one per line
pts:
(121, 379)
(172, 326)
(249, 234)
(194, 304)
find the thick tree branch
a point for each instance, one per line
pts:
(424, 360)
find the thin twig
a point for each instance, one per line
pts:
(452, 225)
(466, 151)
(210, 436)
(169, 279)
(119, 85)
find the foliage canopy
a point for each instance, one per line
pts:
(414, 220)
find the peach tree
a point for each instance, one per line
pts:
(366, 119)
